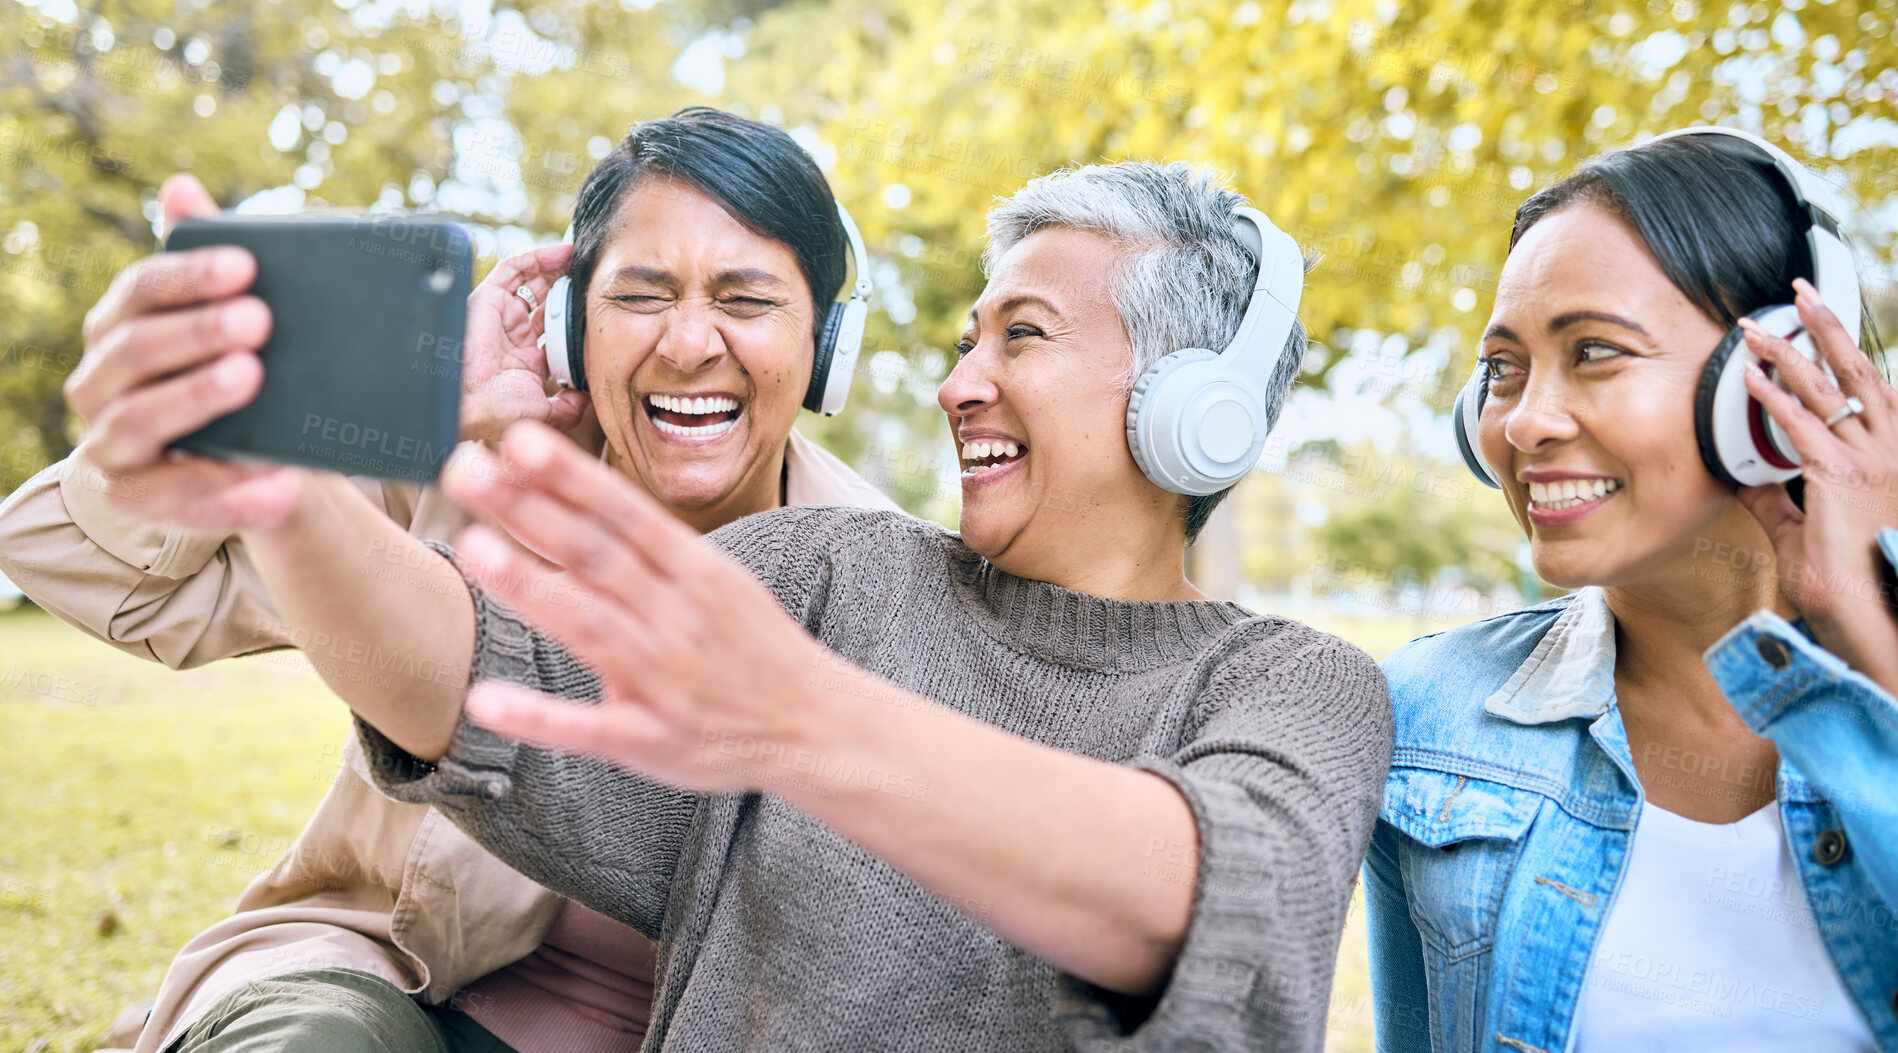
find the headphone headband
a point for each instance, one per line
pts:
(1834, 271)
(1196, 420)
(835, 360)
(1258, 345)
(859, 258)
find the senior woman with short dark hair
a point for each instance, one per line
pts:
(874, 785)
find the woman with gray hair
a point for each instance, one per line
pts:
(1017, 788)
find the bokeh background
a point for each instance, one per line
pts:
(1393, 141)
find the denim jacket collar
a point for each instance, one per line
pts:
(1570, 673)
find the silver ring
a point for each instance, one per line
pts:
(1852, 408)
(527, 297)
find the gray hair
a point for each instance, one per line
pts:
(1185, 277)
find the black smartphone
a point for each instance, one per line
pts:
(362, 372)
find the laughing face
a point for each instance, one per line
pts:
(1593, 359)
(698, 352)
(1037, 407)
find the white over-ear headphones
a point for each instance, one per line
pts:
(1196, 421)
(1739, 442)
(563, 332)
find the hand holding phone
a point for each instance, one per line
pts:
(171, 346)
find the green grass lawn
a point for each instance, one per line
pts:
(136, 802)
(134, 805)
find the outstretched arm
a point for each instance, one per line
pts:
(164, 593)
(1107, 871)
(386, 620)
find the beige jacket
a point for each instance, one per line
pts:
(371, 884)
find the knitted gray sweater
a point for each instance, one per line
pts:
(775, 933)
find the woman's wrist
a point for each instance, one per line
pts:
(844, 746)
(316, 495)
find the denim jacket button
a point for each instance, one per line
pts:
(1829, 847)
(1773, 649)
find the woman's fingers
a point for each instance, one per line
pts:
(1774, 508)
(567, 534)
(566, 541)
(171, 279)
(500, 490)
(616, 730)
(550, 464)
(140, 350)
(1811, 389)
(181, 196)
(608, 635)
(1814, 441)
(203, 493)
(537, 270)
(566, 409)
(1855, 373)
(132, 431)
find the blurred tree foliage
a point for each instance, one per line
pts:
(1350, 518)
(1393, 140)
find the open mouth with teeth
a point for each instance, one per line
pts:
(1570, 493)
(706, 417)
(986, 455)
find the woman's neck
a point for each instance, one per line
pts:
(1671, 707)
(1127, 557)
(762, 489)
(1666, 621)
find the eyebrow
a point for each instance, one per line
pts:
(737, 276)
(1021, 300)
(1563, 321)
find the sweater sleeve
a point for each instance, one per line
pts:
(590, 831)
(1282, 760)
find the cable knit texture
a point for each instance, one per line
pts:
(775, 933)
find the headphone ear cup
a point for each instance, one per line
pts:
(843, 357)
(557, 335)
(1464, 416)
(1731, 430)
(1192, 431)
(1136, 420)
(1706, 431)
(825, 350)
(576, 335)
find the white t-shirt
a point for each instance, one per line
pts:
(1711, 946)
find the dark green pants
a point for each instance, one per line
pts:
(332, 1011)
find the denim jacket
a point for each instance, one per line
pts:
(1512, 801)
